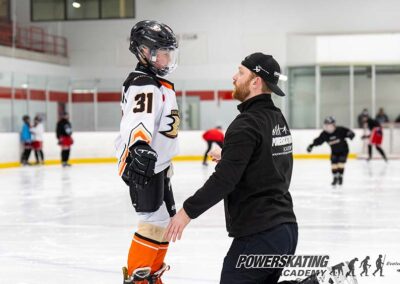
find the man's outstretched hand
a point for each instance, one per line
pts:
(176, 226)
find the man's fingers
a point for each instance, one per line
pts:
(180, 233)
(170, 233)
(174, 234)
(166, 233)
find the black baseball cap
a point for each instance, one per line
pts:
(266, 67)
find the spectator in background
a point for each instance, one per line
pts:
(64, 136)
(361, 116)
(26, 139)
(397, 119)
(382, 117)
(37, 132)
(214, 135)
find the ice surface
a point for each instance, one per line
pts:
(74, 225)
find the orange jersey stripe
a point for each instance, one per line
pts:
(167, 85)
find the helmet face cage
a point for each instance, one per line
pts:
(162, 61)
(154, 44)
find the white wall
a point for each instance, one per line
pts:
(24, 66)
(227, 31)
(101, 144)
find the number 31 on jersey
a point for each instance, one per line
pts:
(144, 102)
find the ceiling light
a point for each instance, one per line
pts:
(76, 4)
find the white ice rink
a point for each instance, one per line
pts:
(75, 225)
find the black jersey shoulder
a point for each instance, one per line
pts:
(140, 79)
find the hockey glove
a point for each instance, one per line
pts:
(143, 162)
(309, 148)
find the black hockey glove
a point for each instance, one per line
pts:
(143, 161)
(351, 135)
(309, 148)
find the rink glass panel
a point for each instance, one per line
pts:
(335, 94)
(109, 116)
(57, 88)
(37, 97)
(21, 101)
(301, 91)
(5, 102)
(362, 91)
(388, 90)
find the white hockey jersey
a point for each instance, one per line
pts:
(149, 113)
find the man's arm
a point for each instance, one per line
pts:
(239, 146)
(240, 143)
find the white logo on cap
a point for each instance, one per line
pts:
(258, 68)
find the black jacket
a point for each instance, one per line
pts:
(336, 139)
(254, 173)
(64, 128)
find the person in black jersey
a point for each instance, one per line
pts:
(335, 136)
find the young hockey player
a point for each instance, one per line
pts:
(375, 136)
(26, 140)
(335, 136)
(64, 136)
(37, 136)
(146, 143)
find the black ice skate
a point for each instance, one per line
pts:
(143, 275)
(340, 180)
(335, 181)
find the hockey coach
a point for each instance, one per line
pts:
(252, 176)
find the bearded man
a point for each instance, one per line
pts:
(252, 176)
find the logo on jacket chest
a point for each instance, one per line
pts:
(278, 131)
(172, 132)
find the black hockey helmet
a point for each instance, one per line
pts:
(330, 120)
(151, 40)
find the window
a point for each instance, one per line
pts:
(48, 10)
(84, 9)
(5, 11)
(65, 10)
(117, 9)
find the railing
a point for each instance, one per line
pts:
(33, 39)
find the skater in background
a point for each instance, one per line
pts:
(26, 140)
(37, 131)
(211, 136)
(335, 136)
(375, 136)
(64, 136)
(147, 141)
